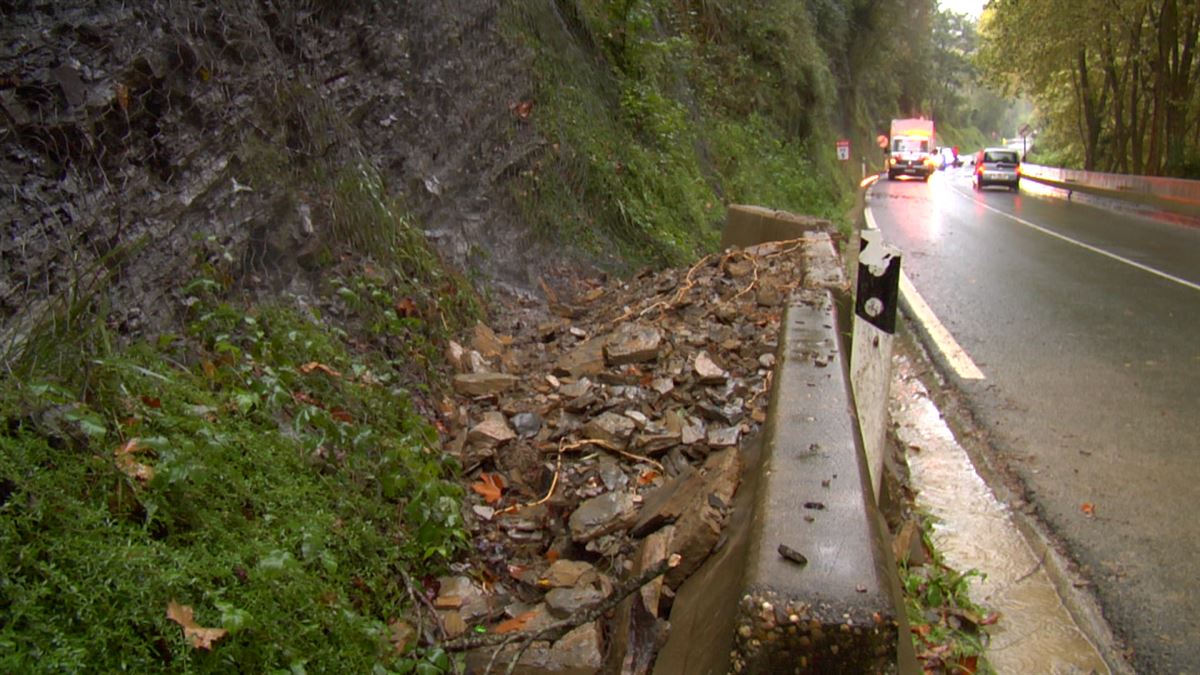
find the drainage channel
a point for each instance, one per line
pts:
(974, 530)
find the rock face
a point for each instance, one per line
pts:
(629, 419)
(151, 127)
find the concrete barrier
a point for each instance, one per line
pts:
(747, 225)
(804, 583)
(1177, 195)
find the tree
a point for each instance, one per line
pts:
(1114, 78)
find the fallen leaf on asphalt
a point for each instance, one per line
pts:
(1088, 508)
(199, 636)
(490, 486)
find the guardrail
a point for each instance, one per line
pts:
(1178, 195)
(806, 581)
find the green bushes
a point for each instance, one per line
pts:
(660, 117)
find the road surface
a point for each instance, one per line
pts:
(1084, 325)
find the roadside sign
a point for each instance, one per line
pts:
(1025, 130)
(843, 149)
(882, 141)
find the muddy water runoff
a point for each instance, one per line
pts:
(1035, 633)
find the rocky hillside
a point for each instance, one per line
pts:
(603, 447)
(142, 142)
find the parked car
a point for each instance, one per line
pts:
(998, 166)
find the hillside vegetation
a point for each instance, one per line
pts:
(241, 237)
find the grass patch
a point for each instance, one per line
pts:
(268, 465)
(947, 626)
(222, 470)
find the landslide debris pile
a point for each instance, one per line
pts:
(601, 442)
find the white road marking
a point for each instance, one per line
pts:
(1093, 249)
(955, 355)
(945, 343)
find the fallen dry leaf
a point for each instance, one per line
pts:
(199, 636)
(490, 486)
(1088, 508)
(130, 466)
(523, 109)
(647, 477)
(313, 365)
(406, 307)
(514, 624)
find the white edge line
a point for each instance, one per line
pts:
(1089, 247)
(954, 354)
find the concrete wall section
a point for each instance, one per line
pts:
(1174, 194)
(837, 613)
(804, 583)
(749, 225)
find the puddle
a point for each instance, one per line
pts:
(1035, 633)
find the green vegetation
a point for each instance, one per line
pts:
(1114, 82)
(660, 117)
(947, 626)
(268, 467)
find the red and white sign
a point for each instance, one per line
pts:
(843, 149)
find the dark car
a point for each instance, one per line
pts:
(998, 166)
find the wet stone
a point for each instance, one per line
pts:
(586, 359)
(485, 341)
(633, 343)
(527, 424)
(611, 474)
(610, 428)
(483, 384)
(602, 515)
(728, 415)
(769, 294)
(575, 389)
(563, 602)
(492, 431)
(567, 573)
(708, 372)
(726, 437)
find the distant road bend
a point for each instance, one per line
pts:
(1084, 325)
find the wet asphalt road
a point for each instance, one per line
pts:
(1092, 380)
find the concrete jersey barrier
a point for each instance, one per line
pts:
(1175, 194)
(804, 583)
